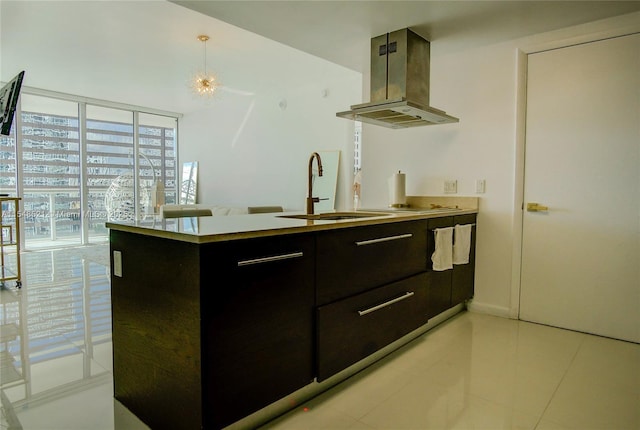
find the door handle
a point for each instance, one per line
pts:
(536, 207)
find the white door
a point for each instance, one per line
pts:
(581, 257)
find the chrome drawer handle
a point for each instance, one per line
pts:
(385, 304)
(383, 239)
(269, 259)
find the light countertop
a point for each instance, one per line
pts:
(233, 227)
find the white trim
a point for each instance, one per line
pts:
(489, 309)
(84, 190)
(586, 33)
(17, 130)
(136, 164)
(518, 200)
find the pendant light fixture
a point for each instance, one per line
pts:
(204, 83)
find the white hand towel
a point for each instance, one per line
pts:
(462, 245)
(442, 257)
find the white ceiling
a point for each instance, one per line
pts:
(340, 31)
(144, 52)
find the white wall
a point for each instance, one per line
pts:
(254, 152)
(480, 86)
(251, 152)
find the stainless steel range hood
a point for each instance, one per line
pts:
(400, 64)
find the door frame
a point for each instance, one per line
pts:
(599, 30)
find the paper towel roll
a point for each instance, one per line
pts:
(397, 193)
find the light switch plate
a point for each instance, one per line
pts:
(480, 186)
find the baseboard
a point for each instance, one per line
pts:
(486, 308)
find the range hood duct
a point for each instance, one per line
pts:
(400, 63)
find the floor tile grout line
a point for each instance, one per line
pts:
(573, 359)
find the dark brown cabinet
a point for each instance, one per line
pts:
(449, 287)
(352, 329)
(353, 260)
(257, 324)
(363, 268)
(155, 302)
(206, 334)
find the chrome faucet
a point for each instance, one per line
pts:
(310, 199)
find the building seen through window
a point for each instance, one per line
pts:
(64, 156)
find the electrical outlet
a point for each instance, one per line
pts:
(117, 263)
(451, 186)
(480, 186)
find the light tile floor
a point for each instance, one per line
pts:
(482, 372)
(472, 372)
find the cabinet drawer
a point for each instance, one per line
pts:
(351, 261)
(352, 329)
(241, 257)
(257, 322)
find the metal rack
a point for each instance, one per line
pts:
(10, 240)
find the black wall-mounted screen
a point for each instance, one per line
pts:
(8, 101)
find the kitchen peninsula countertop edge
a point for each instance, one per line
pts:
(236, 227)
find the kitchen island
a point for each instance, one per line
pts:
(216, 318)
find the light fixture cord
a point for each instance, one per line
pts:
(205, 58)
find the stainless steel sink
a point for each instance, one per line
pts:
(332, 216)
(414, 210)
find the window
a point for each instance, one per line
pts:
(71, 152)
